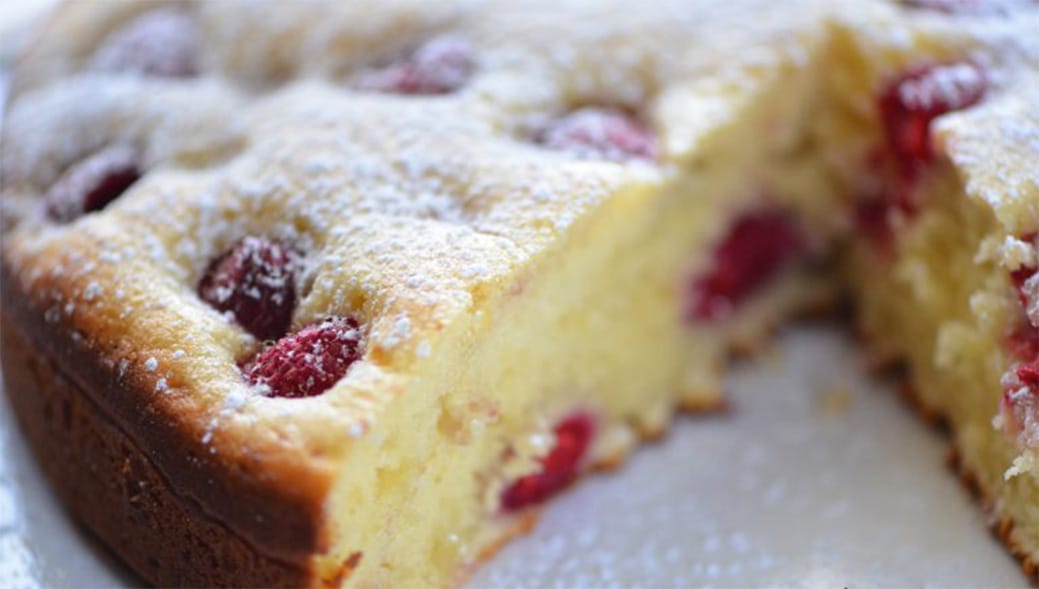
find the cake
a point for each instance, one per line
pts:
(324, 294)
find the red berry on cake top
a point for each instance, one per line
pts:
(162, 43)
(256, 282)
(440, 66)
(92, 183)
(600, 133)
(907, 106)
(758, 246)
(912, 101)
(559, 467)
(308, 362)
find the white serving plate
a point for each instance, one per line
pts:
(819, 476)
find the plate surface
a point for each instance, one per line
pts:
(818, 476)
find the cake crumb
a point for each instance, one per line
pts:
(91, 291)
(835, 401)
(1023, 464)
(1017, 254)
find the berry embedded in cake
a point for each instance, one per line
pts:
(600, 133)
(440, 66)
(559, 467)
(92, 183)
(908, 105)
(353, 289)
(306, 363)
(757, 247)
(254, 281)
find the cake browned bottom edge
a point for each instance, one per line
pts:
(1000, 525)
(114, 489)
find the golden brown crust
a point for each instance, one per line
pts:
(113, 487)
(263, 497)
(718, 404)
(1002, 527)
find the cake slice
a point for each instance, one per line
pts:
(947, 297)
(470, 295)
(943, 246)
(324, 295)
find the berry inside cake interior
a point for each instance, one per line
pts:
(354, 315)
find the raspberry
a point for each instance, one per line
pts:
(440, 66)
(161, 43)
(1023, 342)
(907, 106)
(308, 362)
(1028, 374)
(873, 221)
(756, 248)
(910, 102)
(1019, 407)
(558, 468)
(92, 183)
(1020, 277)
(600, 133)
(256, 282)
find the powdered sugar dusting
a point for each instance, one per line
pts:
(953, 84)
(92, 291)
(439, 66)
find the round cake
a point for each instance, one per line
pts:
(339, 293)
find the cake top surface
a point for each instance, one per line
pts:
(412, 152)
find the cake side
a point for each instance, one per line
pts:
(282, 522)
(113, 487)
